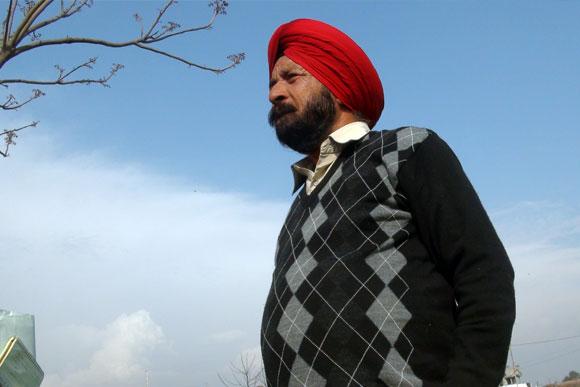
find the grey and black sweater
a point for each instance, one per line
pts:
(389, 274)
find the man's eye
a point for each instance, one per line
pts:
(292, 77)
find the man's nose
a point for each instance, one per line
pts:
(277, 93)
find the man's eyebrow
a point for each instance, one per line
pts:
(286, 73)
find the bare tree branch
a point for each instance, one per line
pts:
(8, 22)
(11, 50)
(12, 103)
(235, 59)
(159, 16)
(34, 18)
(63, 76)
(30, 16)
(73, 8)
(246, 372)
(219, 8)
(9, 136)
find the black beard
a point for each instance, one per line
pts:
(304, 132)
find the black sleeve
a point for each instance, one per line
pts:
(459, 236)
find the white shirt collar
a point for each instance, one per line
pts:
(350, 132)
(304, 168)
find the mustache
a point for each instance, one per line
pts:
(278, 111)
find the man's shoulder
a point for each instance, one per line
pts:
(399, 139)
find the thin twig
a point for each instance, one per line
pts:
(9, 136)
(12, 103)
(63, 75)
(159, 16)
(187, 62)
(64, 13)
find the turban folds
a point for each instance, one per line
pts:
(335, 60)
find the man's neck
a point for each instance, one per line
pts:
(343, 118)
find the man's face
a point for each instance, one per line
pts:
(303, 110)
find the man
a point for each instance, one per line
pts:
(388, 271)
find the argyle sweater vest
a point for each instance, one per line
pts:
(389, 274)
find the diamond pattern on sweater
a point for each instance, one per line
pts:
(386, 266)
(409, 137)
(389, 315)
(390, 221)
(338, 300)
(396, 369)
(298, 272)
(316, 217)
(294, 323)
(313, 378)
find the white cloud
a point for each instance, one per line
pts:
(538, 223)
(122, 356)
(227, 336)
(543, 241)
(87, 239)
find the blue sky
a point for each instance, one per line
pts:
(173, 174)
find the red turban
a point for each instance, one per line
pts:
(335, 60)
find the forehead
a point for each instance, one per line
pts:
(285, 64)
